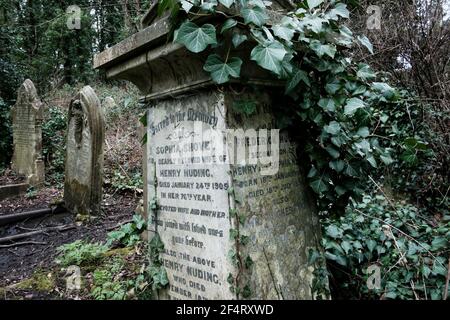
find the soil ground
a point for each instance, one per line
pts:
(9, 177)
(20, 262)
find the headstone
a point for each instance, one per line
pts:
(27, 115)
(225, 191)
(109, 103)
(84, 157)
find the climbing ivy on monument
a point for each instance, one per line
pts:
(339, 101)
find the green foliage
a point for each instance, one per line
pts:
(158, 274)
(5, 134)
(196, 38)
(80, 253)
(31, 193)
(105, 288)
(221, 71)
(337, 100)
(126, 104)
(54, 144)
(122, 182)
(353, 124)
(411, 249)
(115, 281)
(129, 234)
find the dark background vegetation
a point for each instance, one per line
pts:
(402, 221)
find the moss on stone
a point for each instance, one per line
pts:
(121, 252)
(39, 281)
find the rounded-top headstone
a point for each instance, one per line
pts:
(84, 159)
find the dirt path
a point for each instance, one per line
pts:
(18, 263)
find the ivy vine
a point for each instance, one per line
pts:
(339, 101)
(237, 282)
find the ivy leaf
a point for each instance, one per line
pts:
(339, 11)
(269, 57)
(327, 104)
(387, 160)
(186, 5)
(439, 243)
(312, 172)
(208, 5)
(333, 87)
(372, 161)
(333, 128)
(322, 49)
(346, 246)
(350, 171)
(439, 269)
(426, 271)
(258, 3)
(313, 23)
(196, 38)
(320, 185)
(298, 76)
(221, 71)
(386, 90)
(365, 73)
(230, 23)
(366, 43)
(337, 165)
(345, 37)
(238, 39)
(314, 3)
(255, 15)
(283, 32)
(363, 132)
(371, 244)
(334, 232)
(353, 105)
(248, 262)
(410, 157)
(333, 152)
(227, 3)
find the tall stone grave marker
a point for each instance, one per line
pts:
(27, 116)
(84, 157)
(225, 190)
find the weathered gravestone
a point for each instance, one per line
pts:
(84, 157)
(225, 192)
(27, 116)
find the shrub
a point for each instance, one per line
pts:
(81, 253)
(410, 248)
(129, 234)
(54, 143)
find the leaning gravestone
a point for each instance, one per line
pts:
(84, 157)
(225, 191)
(27, 115)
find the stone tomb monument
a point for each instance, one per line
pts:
(27, 116)
(225, 192)
(84, 157)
